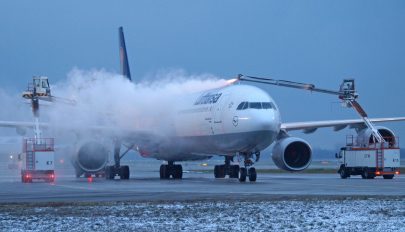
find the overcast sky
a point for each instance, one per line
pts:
(319, 42)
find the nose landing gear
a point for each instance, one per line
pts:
(248, 170)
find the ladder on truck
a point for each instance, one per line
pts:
(379, 160)
(30, 160)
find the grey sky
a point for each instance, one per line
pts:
(319, 42)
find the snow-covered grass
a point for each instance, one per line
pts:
(275, 215)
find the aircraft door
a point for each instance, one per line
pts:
(218, 108)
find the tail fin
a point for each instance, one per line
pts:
(123, 55)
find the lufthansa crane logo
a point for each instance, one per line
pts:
(235, 120)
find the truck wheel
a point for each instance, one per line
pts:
(343, 172)
(388, 177)
(367, 175)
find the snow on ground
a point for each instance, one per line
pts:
(291, 215)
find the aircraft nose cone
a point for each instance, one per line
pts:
(265, 121)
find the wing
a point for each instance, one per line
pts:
(109, 132)
(310, 127)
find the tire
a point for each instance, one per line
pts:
(178, 172)
(23, 177)
(367, 175)
(216, 174)
(252, 174)
(161, 171)
(124, 172)
(164, 172)
(243, 174)
(109, 172)
(343, 172)
(219, 171)
(234, 171)
(388, 177)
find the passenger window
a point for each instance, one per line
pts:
(266, 105)
(255, 105)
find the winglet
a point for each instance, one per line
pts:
(123, 55)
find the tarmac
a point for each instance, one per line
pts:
(145, 186)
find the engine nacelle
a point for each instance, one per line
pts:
(292, 154)
(91, 157)
(365, 137)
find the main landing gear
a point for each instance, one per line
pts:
(171, 170)
(248, 170)
(117, 169)
(220, 171)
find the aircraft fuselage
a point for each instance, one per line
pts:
(223, 121)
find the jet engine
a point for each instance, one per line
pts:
(90, 158)
(365, 137)
(292, 154)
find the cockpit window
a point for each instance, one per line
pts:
(266, 105)
(273, 105)
(240, 106)
(256, 105)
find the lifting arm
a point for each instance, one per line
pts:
(347, 93)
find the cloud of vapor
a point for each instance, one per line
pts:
(107, 99)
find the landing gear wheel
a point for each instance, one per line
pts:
(243, 174)
(252, 174)
(109, 172)
(234, 171)
(177, 172)
(388, 177)
(219, 171)
(164, 172)
(216, 171)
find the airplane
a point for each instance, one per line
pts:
(233, 120)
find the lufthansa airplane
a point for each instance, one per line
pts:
(234, 120)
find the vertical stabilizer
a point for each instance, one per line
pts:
(123, 55)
